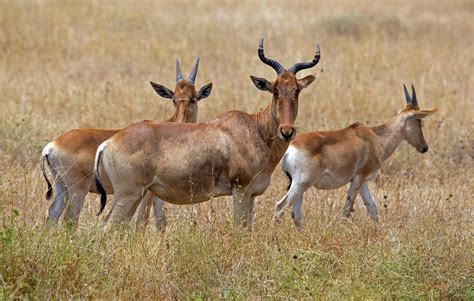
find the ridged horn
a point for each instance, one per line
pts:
(192, 75)
(272, 63)
(179, 75)
(305, 65)
(414, 101)
(407, 95)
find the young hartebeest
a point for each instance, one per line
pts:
(234, 154)
(329, 160)
(71, 156)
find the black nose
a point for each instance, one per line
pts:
(287, 136)
(424, 149)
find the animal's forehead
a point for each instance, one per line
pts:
(184, 87)
(286, 81)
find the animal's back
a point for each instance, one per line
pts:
(332, 158)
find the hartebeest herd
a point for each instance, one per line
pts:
(183, 162)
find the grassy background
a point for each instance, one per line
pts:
(65, 64)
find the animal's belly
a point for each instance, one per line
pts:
(330, 181)
(191, 193)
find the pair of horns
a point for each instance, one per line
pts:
(411, 100)
(192, 75)
(293, 69)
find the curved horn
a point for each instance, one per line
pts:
(305, 65)
(407, 95)
(192, 75)
(272, 63)
(414, 101)
(179, 75)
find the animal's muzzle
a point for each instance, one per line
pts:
(286, 132)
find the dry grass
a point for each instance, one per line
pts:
(68, 64)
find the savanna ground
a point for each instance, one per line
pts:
(65, 64)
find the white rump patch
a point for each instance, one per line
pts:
(47, 149)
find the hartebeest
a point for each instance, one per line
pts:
(71, 156)
(329, 160)
(234, 154)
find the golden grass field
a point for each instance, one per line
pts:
(69, 64)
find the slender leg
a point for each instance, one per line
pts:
(294, 197)
(124, 207)
(74, 207)
(249, 205)
(143, 210)
(369, 202)
(296, 211)
(243, 207)
(279, 206)
(160, 215)
(61, 198)
(351, 195)
(237, 195)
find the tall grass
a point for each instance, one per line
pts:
(72, 64)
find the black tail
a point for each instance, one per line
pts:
(100, 188)
(49, 192)
(283, 167)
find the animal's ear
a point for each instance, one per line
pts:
(262, 84)
(162, 90)
(307, 80)
(205, 91)
(423, 113)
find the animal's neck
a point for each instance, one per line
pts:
(389, 135)
(187, 119)
(267, 124)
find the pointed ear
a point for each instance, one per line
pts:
(262, 84)
(307, 80)
(162, 90)
(205, 91)
(423, 113)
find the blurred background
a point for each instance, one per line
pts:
(69, 64)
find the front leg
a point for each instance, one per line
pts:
(237, 194)
(369, 202)
(143, 210)
(351, 195)
(243, 207)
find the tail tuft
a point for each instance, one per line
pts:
(290, 180)
(284, 168)
(100, 188)
(49, 192)
(103, 195)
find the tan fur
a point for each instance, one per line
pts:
(71, 155)
(331, 159)
(234, 154)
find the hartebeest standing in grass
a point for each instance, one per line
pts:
(234, 154)
(329, 160)
(71, 156)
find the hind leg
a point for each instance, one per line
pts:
(369, 202)
(74, 207)
(296, 211)
(61, 198)
(294, 197)
(351, 195)
(125, 205)
(160, 215)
